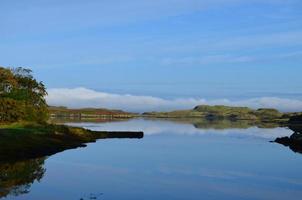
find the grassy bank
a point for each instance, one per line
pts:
(31, 140)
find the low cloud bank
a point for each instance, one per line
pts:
(83, 97)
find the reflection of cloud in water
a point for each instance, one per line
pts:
(154, 127)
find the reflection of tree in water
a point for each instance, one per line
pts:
(17, 178)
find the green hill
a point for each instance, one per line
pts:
(220, 112)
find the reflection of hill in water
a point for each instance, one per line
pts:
(223, 124)
(16, 178)
(294, 142)
(196, 122)
(227, 124)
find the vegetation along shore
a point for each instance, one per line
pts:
(24, 119)
(24, 116)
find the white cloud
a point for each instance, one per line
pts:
(83, 97)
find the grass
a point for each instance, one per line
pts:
(25, 140)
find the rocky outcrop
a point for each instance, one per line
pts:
(294, 142)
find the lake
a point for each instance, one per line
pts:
(179, 160)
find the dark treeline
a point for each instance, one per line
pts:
(21, 96)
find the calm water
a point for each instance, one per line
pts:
(173, 161)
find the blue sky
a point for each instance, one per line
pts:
(170, 49)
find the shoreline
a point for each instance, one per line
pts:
(29, 141)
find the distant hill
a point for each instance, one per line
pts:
(205, 112)
(220, 112)
(64, 112)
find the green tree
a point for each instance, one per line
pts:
(21, 96)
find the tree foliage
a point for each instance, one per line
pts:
(21, 96)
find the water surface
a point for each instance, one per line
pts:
(174, 160)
